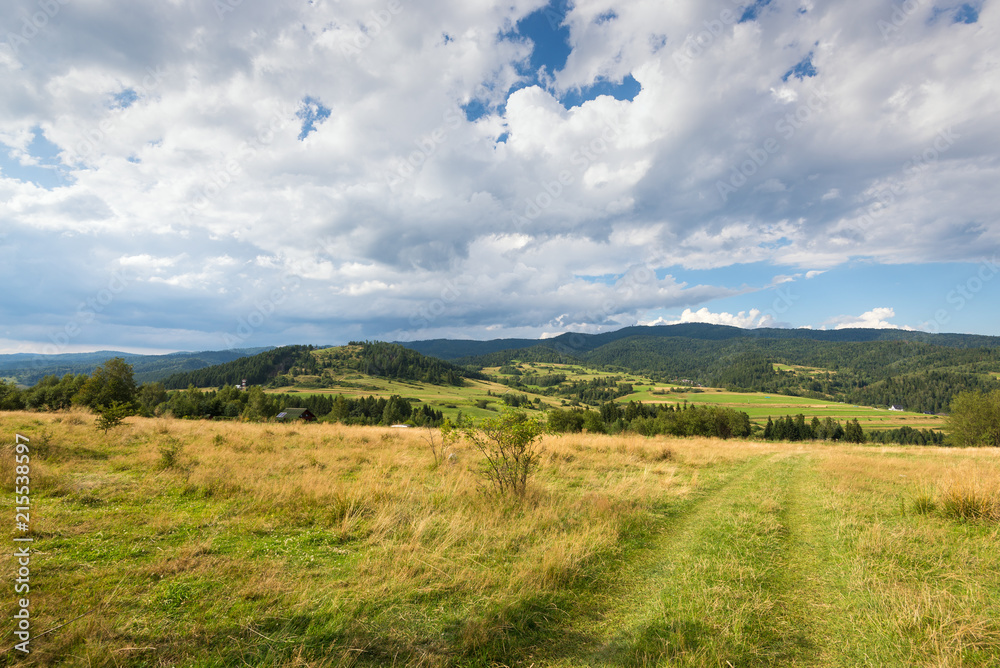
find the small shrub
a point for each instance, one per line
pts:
(113, 415)
(509, 444)
(170, 453)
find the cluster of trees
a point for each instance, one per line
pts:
(653, 419)
(592, 392)
(532, 379)
(796, 429)
(975, 419)
(907, 436)
(255, 404)
(381, 411)
(50, 393)
(391, 360)
(111, 382)
(533, 354)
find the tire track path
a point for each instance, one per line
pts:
(725, 582)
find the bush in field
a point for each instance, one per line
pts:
(113, 415)
(509, 442)
(975, 419)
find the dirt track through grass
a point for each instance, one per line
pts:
(770, 565)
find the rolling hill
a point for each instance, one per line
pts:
(308, 366)
(864, 366)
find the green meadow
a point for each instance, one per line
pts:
(197, 543)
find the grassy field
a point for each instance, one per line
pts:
(762, 406)
(192, 543)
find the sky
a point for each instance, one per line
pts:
(214, 174)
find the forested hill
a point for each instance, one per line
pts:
(28, 369)
(575, 344)
(919, 371)
(290, 364)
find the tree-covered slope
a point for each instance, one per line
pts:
(917, 370)
(282, 366)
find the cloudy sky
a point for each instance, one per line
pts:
(208, 174)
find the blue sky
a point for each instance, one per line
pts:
(251, 174)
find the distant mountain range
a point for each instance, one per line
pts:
(573, 343)
(29, 368)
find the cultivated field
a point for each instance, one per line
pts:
(191, 543)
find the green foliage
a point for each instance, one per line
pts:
(151, 395)
(853, 433)
(975, 419)
(381, 411)
(53, 393)
(533, 353)
(593, 391)
(508, 442)
(906, 435)
(113, 415)
(11, 399)
(170, 453)
(653, 419)
(259, 405)
(111, 382)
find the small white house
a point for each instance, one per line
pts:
(894, 407)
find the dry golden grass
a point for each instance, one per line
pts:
(288, 543)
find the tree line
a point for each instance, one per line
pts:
(652, 420)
